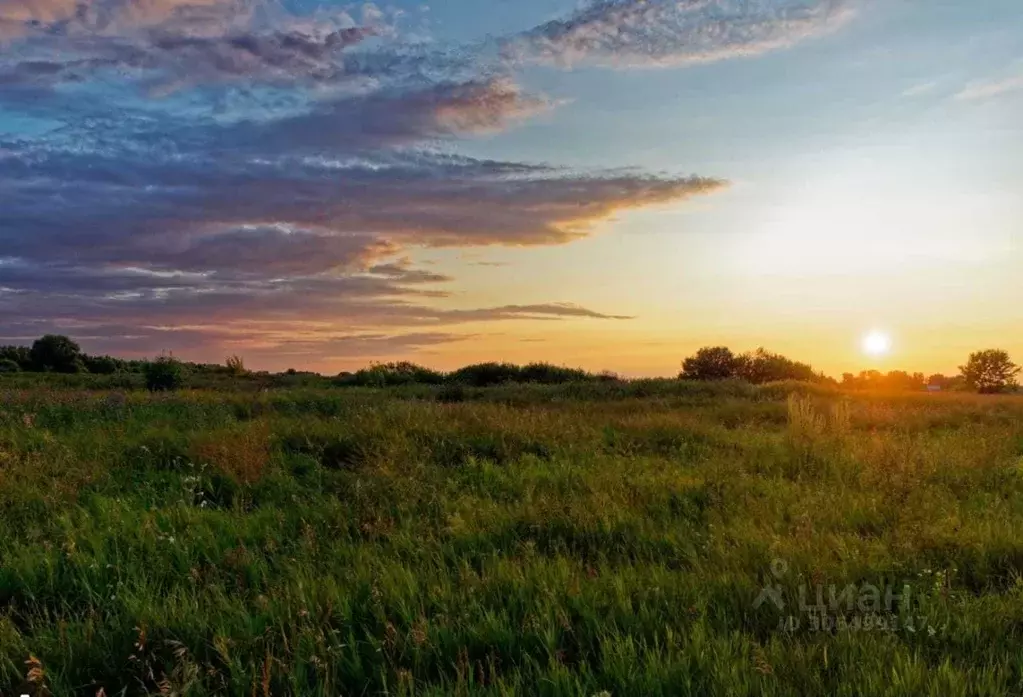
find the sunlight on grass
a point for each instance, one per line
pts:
(527, 540)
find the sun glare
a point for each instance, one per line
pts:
(877, 343)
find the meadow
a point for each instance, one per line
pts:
(597, 539)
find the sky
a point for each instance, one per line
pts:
(608, 184)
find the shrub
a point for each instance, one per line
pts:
(17, 354)
(486, 374)
(452, 394)
(235, 365)
(9, 366)
(165, 373)
(391, 375)
(548, 374)
(101, 365)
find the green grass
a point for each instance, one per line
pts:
(520, 540)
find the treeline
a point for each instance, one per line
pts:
(989, 371)
(901, 380)
(757, 368)
(478, 375)
(60, 354)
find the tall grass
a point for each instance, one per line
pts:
(524, 540)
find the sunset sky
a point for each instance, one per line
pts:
(609, 184)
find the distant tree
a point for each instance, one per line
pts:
(990, 372)
(901, 380)
(19, 354)
(235, 365)
(9, 366)
(946, 383)
(101, 365)
(56, 353)
(164, 374)
(711, 363)
(896, 380)
(762, 366)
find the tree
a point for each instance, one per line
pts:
(9, 366)
(762, 366)
(990, 372)
(101, 365)
(710, 363)
(56, 353)
(164, 374)
(17, 354)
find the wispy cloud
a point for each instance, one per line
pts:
(651, 33)
(921, 89)
(989, 89)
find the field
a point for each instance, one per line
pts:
(604, 539)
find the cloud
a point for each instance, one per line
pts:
(402, 271)
(398, 117)
(168, 45)
(165, 60)
(261, 245)
(921, 89)
(543, 312)
(983, 90)
(19, 18)
(199, 207)
(656, 33)
(212, 176)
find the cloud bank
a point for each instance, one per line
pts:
(213, 175)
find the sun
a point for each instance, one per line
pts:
(877, 343)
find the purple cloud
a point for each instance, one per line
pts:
(652, 33)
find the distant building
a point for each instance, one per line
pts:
(934, 388)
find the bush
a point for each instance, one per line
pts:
(165, 373)
(392, 375)
(547, 374)
(486, 374)
(235, 366)
(17, 354)
(101, 365)
(9, 366)
(451, 394)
